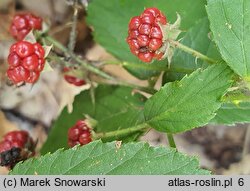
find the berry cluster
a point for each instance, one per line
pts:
(16, 146)
(22, 24)
(72, 79)
(145, 36)
(80, 133)
(26, 61)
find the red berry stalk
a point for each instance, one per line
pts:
(72, 79)
(80, 133)
(26, 61)
(145, 37)
(16, 146)
(22, 24)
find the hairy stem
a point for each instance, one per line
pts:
(73, 33)
(192, 51)
(121, 132)
(93, 69)
(150, 67)
(235, 98)
(171, 140)
(152, 81)
(142, 88)
(77, 59)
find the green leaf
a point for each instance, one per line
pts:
(115, 108)
(198, 39)
(230, 113)
(110, 21)
(230, 24)
(189, 103)
(97, 158)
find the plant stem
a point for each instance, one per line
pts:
(171, 140)
(73, 32)
(235, 98)
(142, 88)
(121, 132)
(94, 69)
(191, 51)
(77, 59)
(151, 67)
(152, 81)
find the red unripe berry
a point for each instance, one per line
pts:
(147, 18)
(73, 143)
(74, 133)
(134, 44)
(34, 21)
(156, 33)
(146, 56)
(154, 11)
(14, 60)
(134, 51)
(145, 37)
(155, 44)
(80, 133)
(39, 51)
(85, 138)
(13, 48)
(85, 134)
(41, 64)
(31, 62)
(22, 24)
(13, 31)
(133, 34)
(144, 29)
(16, 136)
(143, 40)
(24, 49)
(79, 82)
(134, 23)
(22, 33)
(159, 16)
(19, 144)
(26, 61)
(162, 20)
(18, 74)
(4, 146)
(82, 124)
(34, 75)
(72, 79)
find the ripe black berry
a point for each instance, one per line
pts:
(16, 146)
(10, 157)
